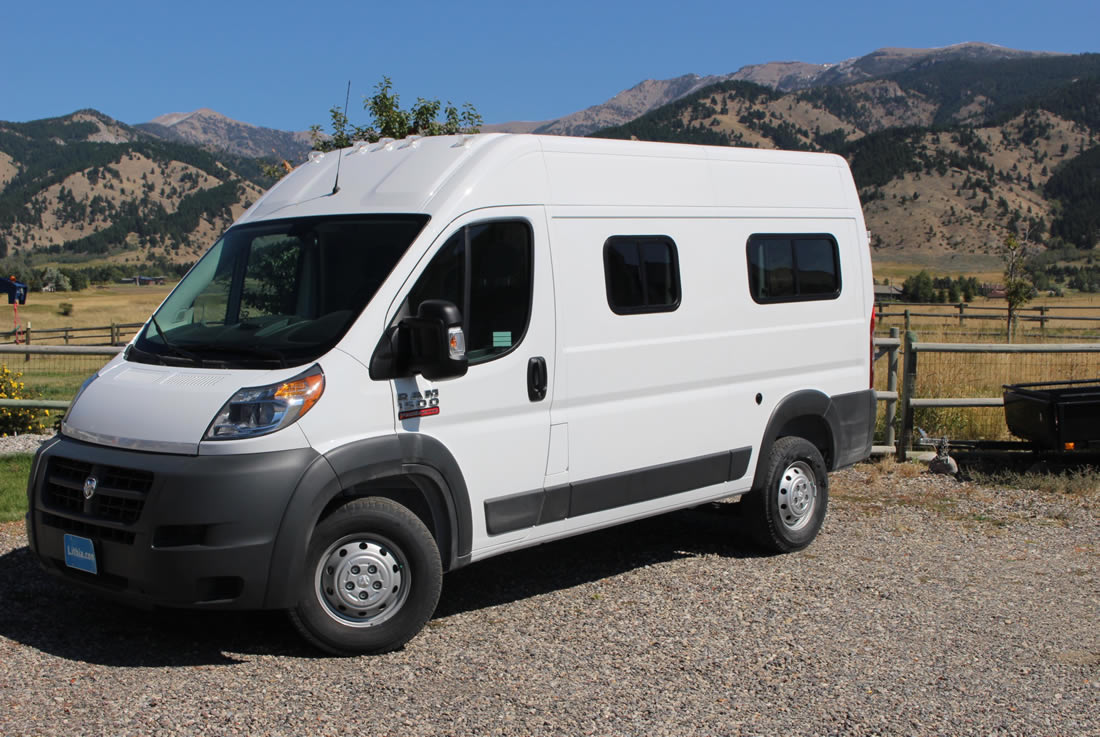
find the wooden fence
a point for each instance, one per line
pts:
(1042, 315)
(53, 350)
(113, 334)
(892, 348)
(911, 349)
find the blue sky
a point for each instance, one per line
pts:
(283, 64)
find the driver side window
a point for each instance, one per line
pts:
(486, 271)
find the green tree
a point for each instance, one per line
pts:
(1018, 287)
(389, 120)
(52, 275)
(918, 288)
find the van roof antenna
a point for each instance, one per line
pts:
(336, 182)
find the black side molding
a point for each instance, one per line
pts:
(538, 507)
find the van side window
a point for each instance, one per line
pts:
(793, 268)
(486, 270)
(642, 274)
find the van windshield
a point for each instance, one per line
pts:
(277, 293)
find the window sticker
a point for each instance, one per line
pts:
(502, 338)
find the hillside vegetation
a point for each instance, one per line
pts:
(949, 158)
(952, 149)
(86, 186)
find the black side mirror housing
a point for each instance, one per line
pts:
(436, 341)
(431, 344)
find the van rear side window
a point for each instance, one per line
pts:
(642, 274)
(793, 268)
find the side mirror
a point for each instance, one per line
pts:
(431, 344)
(437, 345)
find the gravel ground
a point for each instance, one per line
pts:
(925, 607)
(22, 443)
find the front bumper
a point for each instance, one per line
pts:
(181, 531)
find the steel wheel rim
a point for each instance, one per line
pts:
(362, 580)
(796, 496)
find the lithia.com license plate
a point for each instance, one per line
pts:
(80, 553)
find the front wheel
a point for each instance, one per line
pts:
(787, 510)
(372, 579)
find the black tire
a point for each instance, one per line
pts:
(371, 580)
(786, 512)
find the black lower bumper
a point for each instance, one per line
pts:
(182, 531)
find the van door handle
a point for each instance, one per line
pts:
(536, 379)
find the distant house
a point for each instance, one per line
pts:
(141, 281)
(887, 293)
(993, 291)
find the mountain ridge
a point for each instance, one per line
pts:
(784, 76)
(209, 128)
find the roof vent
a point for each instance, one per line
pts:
(315, 156)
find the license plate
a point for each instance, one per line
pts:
(80, 553)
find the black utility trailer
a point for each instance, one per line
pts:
(1056, 415)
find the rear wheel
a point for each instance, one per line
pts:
(786, 512)
(372, 579)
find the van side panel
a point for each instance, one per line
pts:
(660, 389)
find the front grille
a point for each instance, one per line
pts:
(87, 529)
(118, 499)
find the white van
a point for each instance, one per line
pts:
(412, 355)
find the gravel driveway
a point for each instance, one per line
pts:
(925, 607)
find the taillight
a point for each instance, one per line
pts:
(871, 363)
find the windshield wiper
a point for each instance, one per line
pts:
(138, 353)
(175, 349)
(243, 350)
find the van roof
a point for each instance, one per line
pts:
(448, 175)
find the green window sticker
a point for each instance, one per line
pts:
(502, 339)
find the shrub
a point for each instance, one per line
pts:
(65, 308)
(13, 420)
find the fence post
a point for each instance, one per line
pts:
(962, 307)
(891, 385)
(114, 334)
(65, 335)
(1043, 321)
(908, 384)
(907, 320)
(27, 341)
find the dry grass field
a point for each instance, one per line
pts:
(939, 375)
(58, 377)
(92, 307)
(983, 375)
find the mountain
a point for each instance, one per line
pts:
(784, 76)
(951, 149)
(87, 186)
(213, 130)
(950, 155)
(627, 105)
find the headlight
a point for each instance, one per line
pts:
(261, 410)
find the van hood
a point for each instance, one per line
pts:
(162, 409)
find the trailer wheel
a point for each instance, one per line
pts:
(787, 511)
(371, 581)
